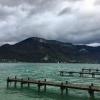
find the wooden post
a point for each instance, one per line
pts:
(89, 70)
(39, 86)
(81, 74)
(82, 69)
(92, 84)
(66, 88)
(45, 85)
(15, 82)
(22, 83)
(28, 82)
(97, 70)
(62, 88)
(71, 73)
(93, 75)
(7, 82)
(90, 91)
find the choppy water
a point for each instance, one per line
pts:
(42, 71)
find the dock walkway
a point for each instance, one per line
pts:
(92, 72)
(63, 86)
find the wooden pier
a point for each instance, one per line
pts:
(63, 85)
(90, 70)
(84, 71)
(81, 74)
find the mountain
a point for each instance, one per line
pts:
(41, 50)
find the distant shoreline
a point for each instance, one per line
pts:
(52, 62)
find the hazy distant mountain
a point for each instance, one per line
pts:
(41, 50)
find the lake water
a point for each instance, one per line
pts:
(42, 71)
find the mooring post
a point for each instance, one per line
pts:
(89, 70)
(62, 88)
(22, 83)
(97, 70)
(81, 74)
(82, 69)
(15, 82)
(45, 85)
(28, 82)
(92, 84)
(39, 86)
(71, 73)
(90, 91)
(66, 87)
(7, 82)
(93, 75)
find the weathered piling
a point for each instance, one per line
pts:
(90, 91)
(93, 75)
(70, 73)
(7, 82)
(39, 85)
(66, 87)
(62, 88)
(22, 83)
(28, 82)
(15, 82)
(81, 74)
(45, 85)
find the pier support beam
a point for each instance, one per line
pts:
(62, 88)
(66, 88)
(22, 83)
(45, 85)
(97, 70)
(39, 85)
(93, 75)
(90, 91)
(82, 69)
(89, 70)
(7, 82)
(15, 83)
(70, 73)
(81, 74)
(28, 83)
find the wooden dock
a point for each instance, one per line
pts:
(90, 70)
(63, 85)
(84, 71)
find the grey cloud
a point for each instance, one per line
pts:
(75, 0)
(64, 11)
(65, 20)
(18, 2)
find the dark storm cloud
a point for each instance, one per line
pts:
(75, 21)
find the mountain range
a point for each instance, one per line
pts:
(41, 50)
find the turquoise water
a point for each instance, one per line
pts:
(42, 71)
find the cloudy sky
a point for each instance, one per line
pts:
(75, 21)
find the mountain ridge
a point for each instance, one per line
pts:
(36, 49)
